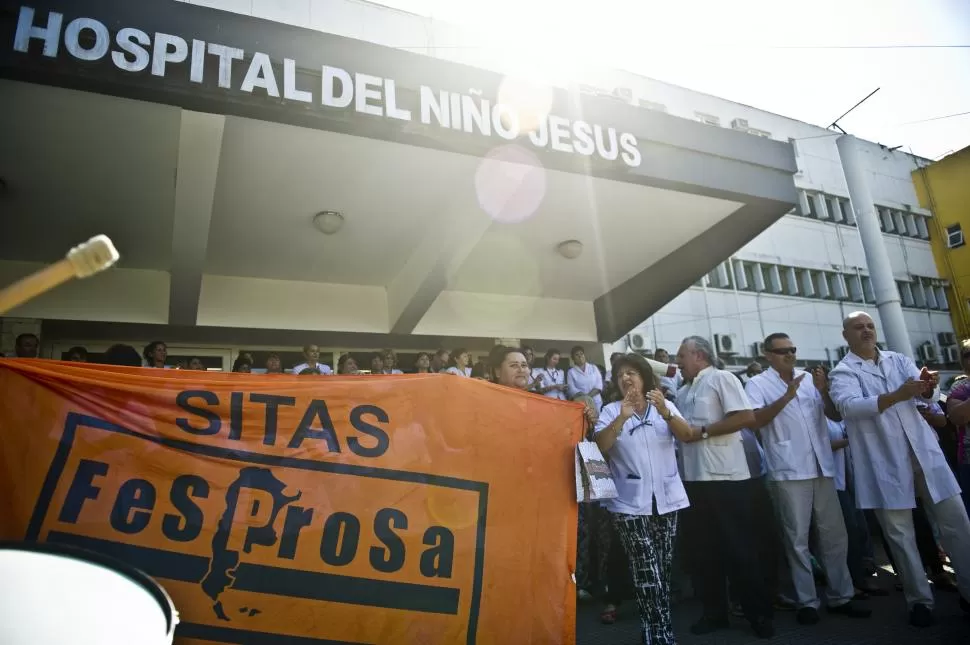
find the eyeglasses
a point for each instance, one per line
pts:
(781, 351)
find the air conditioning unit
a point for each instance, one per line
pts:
(739, 124)
(843, 351)
(725, 343)
(636, 341)
(758, 349)
(951, 354)
(927, 352)
(947, 338)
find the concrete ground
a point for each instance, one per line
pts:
(888, 626)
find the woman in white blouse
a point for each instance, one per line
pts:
(638, 435)
(550, 381)
(584, 378)
(459, 363)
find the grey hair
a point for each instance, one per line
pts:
(704, 347)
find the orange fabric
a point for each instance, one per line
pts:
(364, 509)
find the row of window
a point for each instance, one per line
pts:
(922, 293)
(838, 209)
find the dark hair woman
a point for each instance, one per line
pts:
(458, 364)
(422, 363)
(242, 365)
(637, 434)
(346, 364)
(155, 354)
(550, 381)
(508, 366)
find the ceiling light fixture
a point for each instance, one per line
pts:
(328, 222)
(570, 249)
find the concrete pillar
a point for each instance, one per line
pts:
(880, 270)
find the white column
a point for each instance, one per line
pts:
(880, 271)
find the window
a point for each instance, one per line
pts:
(919, 294)
(791, 282)
(941, 298)
(740, 276)
(921, 229)
(886, 217)
(838, 287)
(911, 225)
(757, 280)
(954, 236)
(846, 207)
(720, 276)
(905, 293)
(807, 284)
(931, 300)
(812, 209)
(855, 289)
(867, 291)
(899, 222)
(709, 119)
(823, 212)
(772, 278)
(834, 211)
(822, 285)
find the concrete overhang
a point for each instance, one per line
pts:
(207, 173)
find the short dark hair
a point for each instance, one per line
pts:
(125, 355)
(23, 337)
(80, 351)
(550, 353)
(150, 349)
(638, 363)
(771, 338)
(577, 348)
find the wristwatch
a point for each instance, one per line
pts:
(704, 433)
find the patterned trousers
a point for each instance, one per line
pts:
(649, 544)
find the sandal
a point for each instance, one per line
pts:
(608, 615)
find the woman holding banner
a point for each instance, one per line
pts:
(637, 435)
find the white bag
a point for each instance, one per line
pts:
(594, 481)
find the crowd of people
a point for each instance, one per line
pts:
(765, 482)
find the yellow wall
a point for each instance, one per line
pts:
(944, 188)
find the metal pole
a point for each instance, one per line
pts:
(880, 270)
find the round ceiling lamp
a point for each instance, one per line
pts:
(570, 249)
(328, 222)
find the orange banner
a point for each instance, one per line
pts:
(416, 509)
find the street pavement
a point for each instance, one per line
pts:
(889, 625)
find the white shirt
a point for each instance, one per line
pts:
(550, 377)
(708, 399)
(324, 369)
(839, 457)
(393, 371)
(584, 381)
(457, 372)
(670, 384)
(883, 442)
(643, 463)
(796, 442)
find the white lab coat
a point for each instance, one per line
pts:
(881, 442)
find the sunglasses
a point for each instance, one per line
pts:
(784, 350)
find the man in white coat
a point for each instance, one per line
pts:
(895, 456)
(791, 407)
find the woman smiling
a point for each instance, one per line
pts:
(637, 434)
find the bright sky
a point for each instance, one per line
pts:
(807, 60)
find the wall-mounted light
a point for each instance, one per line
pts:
(570, 249)
(328, 222)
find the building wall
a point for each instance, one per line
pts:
(944, 187)
(817, 244)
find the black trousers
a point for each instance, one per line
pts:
(723, 536)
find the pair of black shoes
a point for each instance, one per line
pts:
(762, 626)
(809, 615)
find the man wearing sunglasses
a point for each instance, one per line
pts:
(791, 406)
(896, 457)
